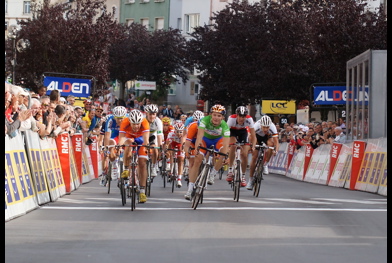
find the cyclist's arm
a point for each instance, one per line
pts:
(253, 139)
(225, 147)
(276, 143)
(199, 138)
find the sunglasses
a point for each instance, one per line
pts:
(45, 105)
(99, 110)
(119, 118)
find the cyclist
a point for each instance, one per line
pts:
(238, 124)
(197, 115)
(191, 135)
(212, 130)
(156, 134)
(265, 132)
(135, 129)
(111, 131)
(174, 140)
(167, 128)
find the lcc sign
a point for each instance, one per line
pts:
(68, 86)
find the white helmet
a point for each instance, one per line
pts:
(241, 110)
(197, 115)
(265, 121)
(135, 116)
(119, 111)
(179, 126)
(152, 108)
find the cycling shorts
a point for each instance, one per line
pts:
(241, 135)
(206, 143)
(177, 145)
(141, 151)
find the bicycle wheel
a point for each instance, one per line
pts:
(257, 176)
(109, 177)
(133, 191)
(148, 183)
(174, 175)
(122, 191)
(237, 180)
(199, 187)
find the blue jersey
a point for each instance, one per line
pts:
(188, 121)
(112, 127)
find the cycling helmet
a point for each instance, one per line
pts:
(151, 108)
(197, 115)
(166, 120)
(265, 121)
(135, 116)
(179, 126)
(219, 109)
(241, 110)
(119, 111)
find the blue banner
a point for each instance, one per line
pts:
(337, 95)
(68, 86)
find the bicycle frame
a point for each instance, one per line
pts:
(201, 180)
(174, 167)
(258, 172)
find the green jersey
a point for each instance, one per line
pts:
(214, 132)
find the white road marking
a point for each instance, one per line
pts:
(138, 207)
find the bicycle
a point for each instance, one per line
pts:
(186, 170)
(236, 182)
(162, 168)
(201, 180)
(150, 166)
(174, 167)
(258, 173)
(129, 187)
(108, 175)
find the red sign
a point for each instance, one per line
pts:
(334, 155)
(290, 154)
(358, 153)
(63, 143)
(94, 154)
(77, 143)
(308, 155)
(200, 105)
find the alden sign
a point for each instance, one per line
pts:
(278, 107)
(145, 85)
(68, 86)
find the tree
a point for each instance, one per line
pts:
(66, 40)
(149, 56)
(277, 50)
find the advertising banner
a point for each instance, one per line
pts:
(335, 151)
(278, 107)
(337, 95)
(358, 154)
(68, 86)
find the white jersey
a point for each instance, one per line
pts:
(233, 124)
(272, 131)
(156, 127)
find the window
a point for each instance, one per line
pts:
(26, 7)
(130, 21)
(172, 89)
(6, 6)
(191, 21)
(179, 22)
(192, 88)
(6, 25)
(145, 22)
(197, 91)
(159, 23)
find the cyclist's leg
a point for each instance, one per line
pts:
(180, 164)
(244, 138)
(127, 158)
(142, 171)
(233, 139)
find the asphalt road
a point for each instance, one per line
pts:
(291, 221)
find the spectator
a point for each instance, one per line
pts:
(177, 114)
(136, 104)
(87, 106)
(168, 112)
(342, 124)
(71, 100)
(340, 136)
(42, 91)
(55, 96)
(63, 101)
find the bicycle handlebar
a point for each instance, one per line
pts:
(264, 146)
(118, 146)
(212, 150)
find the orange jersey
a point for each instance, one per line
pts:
(165, 133)
(126, 128)
(192, 131)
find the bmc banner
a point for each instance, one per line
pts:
(68, 86)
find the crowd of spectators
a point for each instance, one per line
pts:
(313, 133)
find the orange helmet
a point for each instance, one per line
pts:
(219, 109)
